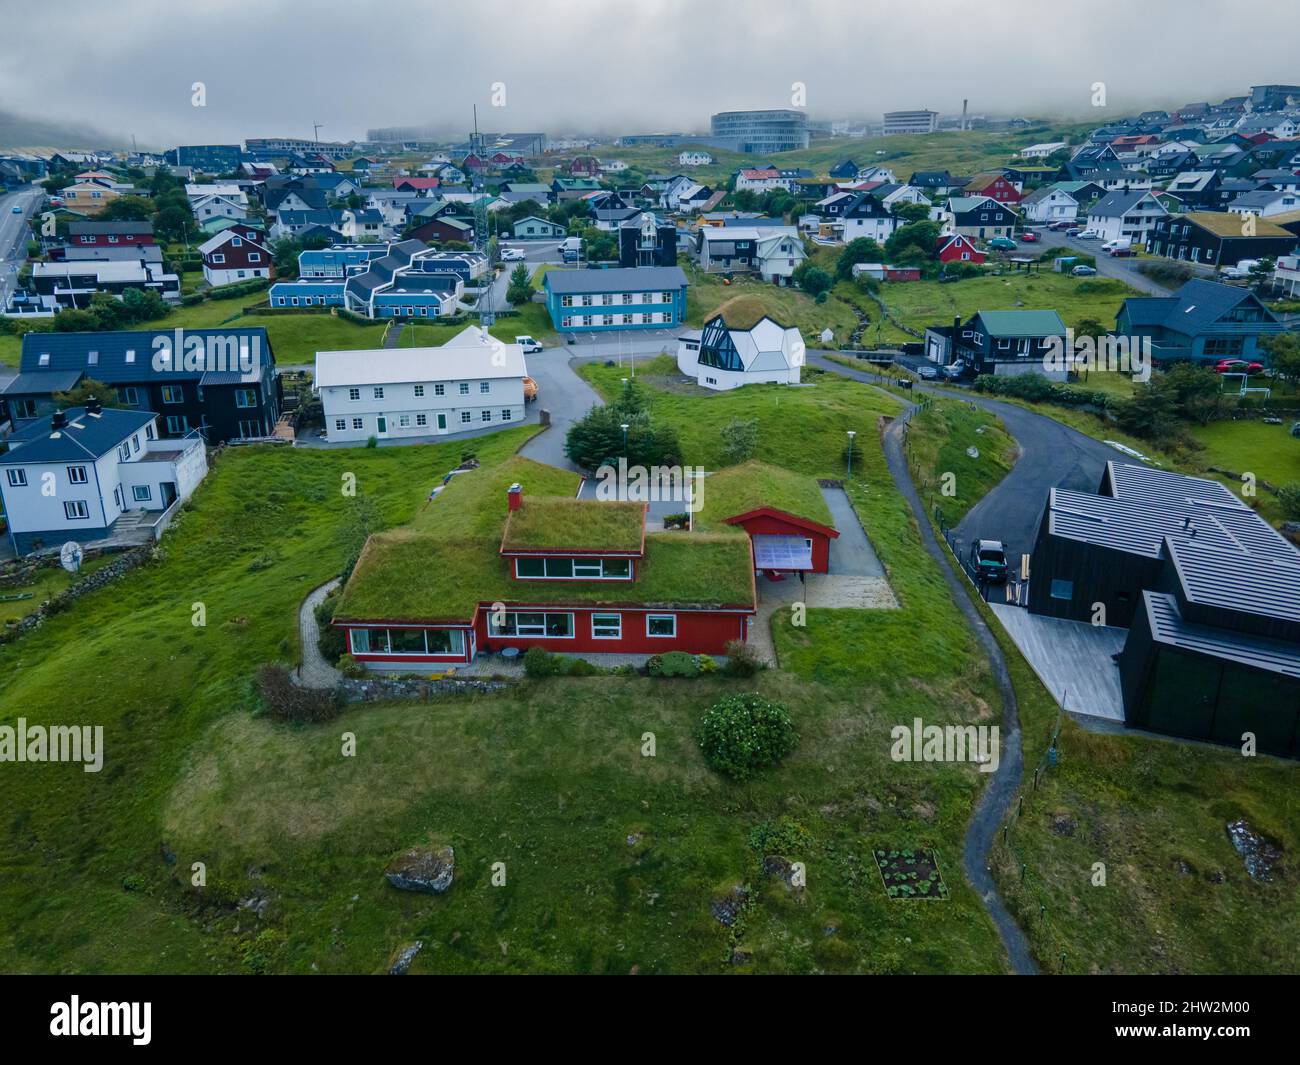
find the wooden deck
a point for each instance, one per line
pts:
(1071, 658)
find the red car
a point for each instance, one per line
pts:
(1238, 366)
(1028, 237)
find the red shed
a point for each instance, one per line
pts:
(782, 541)
(956, 248)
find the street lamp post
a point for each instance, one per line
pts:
(849, 475)
(624, 427)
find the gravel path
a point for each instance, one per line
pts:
(314, 672)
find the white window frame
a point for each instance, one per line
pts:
(661, 635)
(617, 635)
(76, 510)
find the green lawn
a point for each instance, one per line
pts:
(918, 304)
(707, 292)
(611, 857)
(946, 474)
(47, 584)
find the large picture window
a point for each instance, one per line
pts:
(555, 626)
(408, 641)
(661, 624)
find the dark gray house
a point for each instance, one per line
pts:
(1209, 592)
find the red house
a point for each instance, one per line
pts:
(110, 234)
(583, 166)
(957, 248)
(995, 186)
(571, 575)
(237, 253)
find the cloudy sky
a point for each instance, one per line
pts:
(273, 68)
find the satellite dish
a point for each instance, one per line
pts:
(70, 556)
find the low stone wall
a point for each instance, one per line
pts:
(380, 689)
(119, 567)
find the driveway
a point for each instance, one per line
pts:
(566, 395)
(851, 552)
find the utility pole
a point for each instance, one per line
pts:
(316, 128)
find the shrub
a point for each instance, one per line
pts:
(654, 665)
(1289, 496)
(372, 441)
(332, 643)
(350, 667)
(285, 701)
(743, 733)
(708, 664)
(626, 669)
(677, 521)
(679, 664)
(580, 667)
(538, 662)
(742, 659)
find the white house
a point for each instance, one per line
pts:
(1050, 204)
(1042, 151)
(227, 189)
(471, 382)
(723, 358)
(1125, 214)
(693, 158)
(210, 207)
(1264, 203)
(756, 180)
(74, 474)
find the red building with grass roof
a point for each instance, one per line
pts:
(573, 576)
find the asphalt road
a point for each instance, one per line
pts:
(14, 235)
(1051, 456)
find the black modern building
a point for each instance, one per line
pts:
(647, 241)
(221, 383)
(1209, 592)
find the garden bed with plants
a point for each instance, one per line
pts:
(911, 874)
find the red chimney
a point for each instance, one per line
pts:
(514, 496)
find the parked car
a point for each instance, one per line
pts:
(1005, 243)
(512, 255)
(528, 345)
(1238, 366)
(927, 373)
(16, 210)
(1090, 234)
(1083, 270)
(954, 370)
(988, 560)
(1028, 237)
(1073, 231)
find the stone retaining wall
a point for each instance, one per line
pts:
(379, 689)
(106, 574)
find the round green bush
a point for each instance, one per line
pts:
(742, 733)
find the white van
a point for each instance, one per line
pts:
(1122, 244)
(528, 345)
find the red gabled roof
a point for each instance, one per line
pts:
(416, 182)
(782, 515)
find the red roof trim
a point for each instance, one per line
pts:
(772, 512)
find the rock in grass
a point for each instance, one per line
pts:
(402, 960)
(726, 906)
(422, 869)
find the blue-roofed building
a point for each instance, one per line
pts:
(309, 292)
(221, 383)
(646, 297)
(93, 474)
(339, 260)
(1202, 322)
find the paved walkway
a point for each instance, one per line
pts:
(996, 797)
(1072, 659)
(314, 672)
(851, 552)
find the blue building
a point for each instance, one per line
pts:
(209, 158)
(1202, 322)
(338, 260)
(309, 292)
(645, 297)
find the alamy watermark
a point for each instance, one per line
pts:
(177, 352)
(651, 484)
(1116, 354)
(57, 743)
(947, 743)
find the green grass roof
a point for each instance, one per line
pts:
(751, 485)
(447, 561)
(555, 524)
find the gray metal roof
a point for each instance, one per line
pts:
(86, 436)
(1168, 627)
(631, 279)
(1237, 580)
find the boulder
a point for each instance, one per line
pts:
(422, 869)
(726, 906)
(402, 959)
